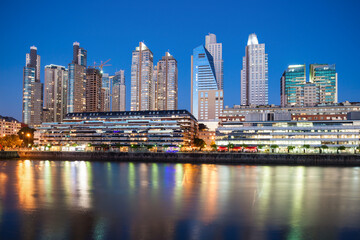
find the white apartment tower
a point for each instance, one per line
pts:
(141, 79)
(215, 49)
(254, 75)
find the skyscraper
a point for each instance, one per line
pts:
(119, 92)
(32, 90)
(167, 83)
(106, 86)
(76, 101)
(324, 76)
(55, 94)
(291, 85)
(141, 78)
(215, 49)
(94, 91)
(206, 97)
(254, 75)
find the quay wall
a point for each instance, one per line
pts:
(8, 154)
(210, 158)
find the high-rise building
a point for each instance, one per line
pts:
(76, 101)
(153, 88)
(106, 86)
(291, 85)
(94, 91)
(119, 92)
(206, 97)
(167, 83)
(254, 75)
(215, 49)
(324, 76)
(55, 93)
(141, 78)
(32, 90)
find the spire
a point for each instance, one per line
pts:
(252, 40)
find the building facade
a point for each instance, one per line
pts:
(291, 85)
(106, 88)
(215, 49)
(167, 83)
(324, 76)
(94, 91)
(206, 97)
(254, 74)
(141, 79)
(9, 126)
(76, 101)
(32, 90)
(55, 92)
(119, 92)
(139, 128)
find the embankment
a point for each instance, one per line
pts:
(211, 158)
(8, 154)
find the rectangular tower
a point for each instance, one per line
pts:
(324, 76)
(254, 75)
(215, 49)
(94, 91)
(106, 86)
(119, 92)
(167, 83)
(141, 78)
(55, 94)
(291, 84)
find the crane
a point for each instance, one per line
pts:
(103, 64)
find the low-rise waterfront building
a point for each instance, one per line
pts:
(128, 128)
(9, 126)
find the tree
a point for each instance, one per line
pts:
(10, 141)
(305, 146)
(27, 135)
(323, 147)
(200, 143)
(273, 147)
(202, 127)
(213, 146)
(341, 148)
(230, 146)
(290, 148)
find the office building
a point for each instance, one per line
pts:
(55, 93)
(119, 92)
(94, 91)
(167, 83)
(291, 85)
(32, 90)
(139, 128)
(215, 49)
(324, 76)
(76, 101)
(206, 97)
(106, 88)
(254, 74)
(141, 79)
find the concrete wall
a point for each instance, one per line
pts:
(223, 158)
(8, 154)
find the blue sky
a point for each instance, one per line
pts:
(295, 32)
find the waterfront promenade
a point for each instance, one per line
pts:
(194, 157)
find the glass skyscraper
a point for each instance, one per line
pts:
(291, 85)
(32, 90)
(254, 74)
(324, 76)
(215, 49)
(206, 97)
(119, 92)
(106, 86)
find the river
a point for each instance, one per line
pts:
(114, 200)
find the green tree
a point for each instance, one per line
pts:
(230, 146)
(340, 148)
(26, 134)
(273, 147)
(200, 143)
(323, 147)
(10, 141)
(290, 148)
(213, 146)
(305, 146)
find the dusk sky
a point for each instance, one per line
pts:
(294, 33)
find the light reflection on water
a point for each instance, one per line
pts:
(84, 200)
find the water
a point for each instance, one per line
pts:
(84, 200)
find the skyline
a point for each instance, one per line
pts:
(295, 46)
